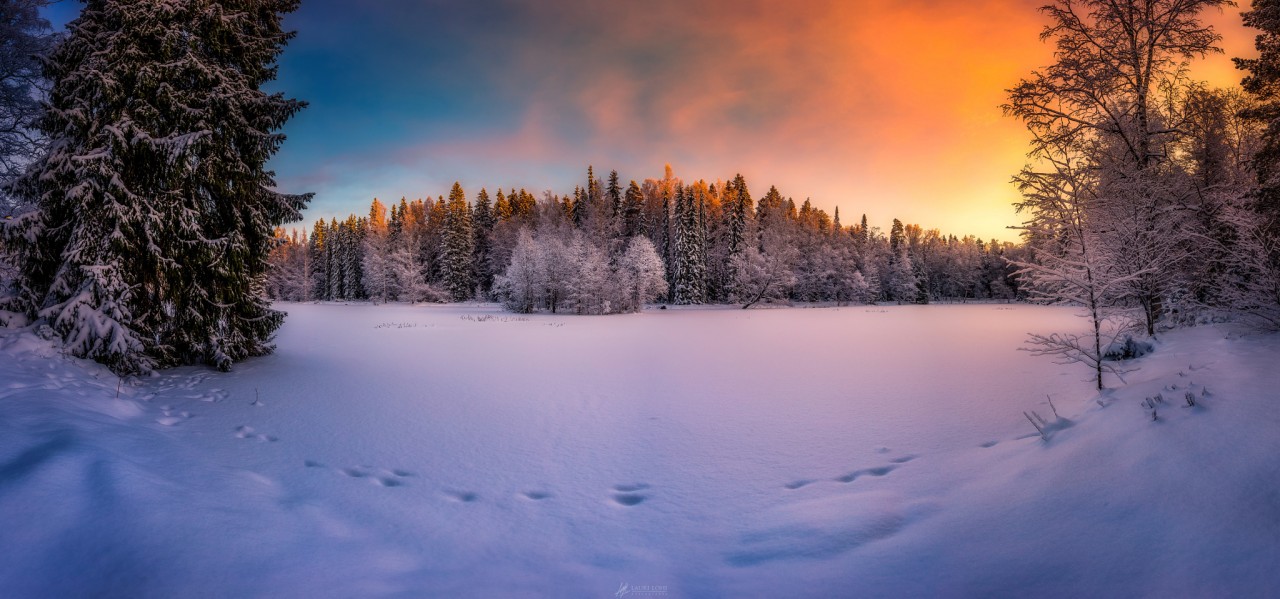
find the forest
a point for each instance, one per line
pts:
(607, 248)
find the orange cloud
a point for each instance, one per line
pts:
(888, 107)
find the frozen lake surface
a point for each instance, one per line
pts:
(435, 450)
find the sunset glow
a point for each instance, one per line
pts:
(883, 107)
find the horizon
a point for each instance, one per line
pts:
(839, 105)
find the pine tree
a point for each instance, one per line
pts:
(578, 209)
(353, 261)
(632, 211)
(457, 246)
(154, 212)
(896, 236)
(483, 221)
(319, 264)
(501, 207)
(614, 194)
(690, 269)
(664, 239)
(336, 259)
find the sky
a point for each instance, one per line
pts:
(888, 108)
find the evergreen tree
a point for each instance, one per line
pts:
(690, 269)
(896, 236)
(592, 190)
(1263, 83)
(319, 264)
(577, 209)
(483, 221)
(501, 207)
(457, 246)
(632, 211)
(336, 258)
(154, 211)
(614, 194)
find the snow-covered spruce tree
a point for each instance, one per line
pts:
(353, 263)
(319, 273)
(1263, 83)
(690, 269)
(154, 212)
(632, 211)
(482, 223)
(457, 246)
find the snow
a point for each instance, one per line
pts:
(398, 450)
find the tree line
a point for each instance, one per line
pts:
(687, 243)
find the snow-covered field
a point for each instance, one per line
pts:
(462, 451)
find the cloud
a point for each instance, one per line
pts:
(888, 107)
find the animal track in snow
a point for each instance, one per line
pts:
(856, 474)
(989, 444)
(170, 417)
(245, 431)
(630, 495)
(381, 477)
(462, 496)
(536, 495)
(355, 472)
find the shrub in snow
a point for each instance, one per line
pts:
(1128, 349)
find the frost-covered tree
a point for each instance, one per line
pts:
(764, 272)
(1072, 265)
(640, 274)
(25, 37)
(289, 268)
(154, 211)
(593, 289)
(1118, 66)
(378, 277)
(559, 268)
(522, 284)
